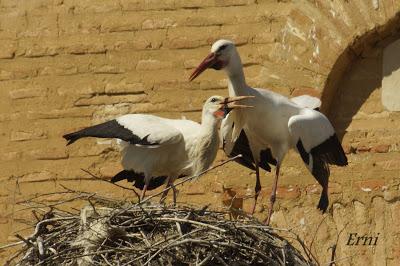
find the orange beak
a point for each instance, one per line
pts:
(230, 103)
(210, 61)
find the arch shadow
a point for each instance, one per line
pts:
(339, 104)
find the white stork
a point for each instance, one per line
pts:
(265, 133)
(155, 149)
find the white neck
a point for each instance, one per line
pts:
(207, 143)
(209, 122)
(237, 82)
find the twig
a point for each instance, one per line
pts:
(342, 259)
(108, 181)
(116, 236)
(316, 231)
(182, 182)
(26, 241)
(221, 260)
(335, 245)
(105, 259)
(190, 221)
(203, 262)
(12, 245)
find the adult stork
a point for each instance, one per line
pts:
(275, 125)
(157, 150)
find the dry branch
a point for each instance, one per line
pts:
(110, 232)
(153, 235)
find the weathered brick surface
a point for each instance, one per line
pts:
(68, 64)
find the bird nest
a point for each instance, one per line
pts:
(108, 232)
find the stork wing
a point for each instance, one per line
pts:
(241, 146)
(318, 146)
(138, 179)
(307, 101)
(137, 129)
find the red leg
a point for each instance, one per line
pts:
(273, 196)
(174, 193)
(257, 188)
(165, 193)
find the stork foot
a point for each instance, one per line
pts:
(271, 209)
(174, 192)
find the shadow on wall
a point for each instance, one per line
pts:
(355, 76)
(355, 88)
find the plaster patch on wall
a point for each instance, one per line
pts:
(375, 4)
(391, 77)
(295, 31)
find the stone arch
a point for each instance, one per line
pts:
(359, 49)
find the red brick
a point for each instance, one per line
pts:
(370, 185)
(363, 148)
(348, 149)
(230, 198)
(313, 189)
(382, 148)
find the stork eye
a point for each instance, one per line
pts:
(222, 47)
(213, 100)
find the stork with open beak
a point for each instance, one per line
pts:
(265, 133)
(156, 150)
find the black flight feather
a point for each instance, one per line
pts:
(110, 129)
(242, 147)
(328, 152)
(138, 179)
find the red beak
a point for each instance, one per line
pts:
(209, 61)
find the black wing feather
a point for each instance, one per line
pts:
(110, 129)
(138, 179)
(242, 147)
(328, 152)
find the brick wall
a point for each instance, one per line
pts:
(68, 64)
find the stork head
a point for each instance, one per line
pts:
(223, 52)
(219, 106)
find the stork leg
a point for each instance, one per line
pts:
(143, 192)
(257, 188)
(174, 193)
(165, 193)
(170, 184)
(273, 195)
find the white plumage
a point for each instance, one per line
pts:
(276, 124)
(156, 150)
